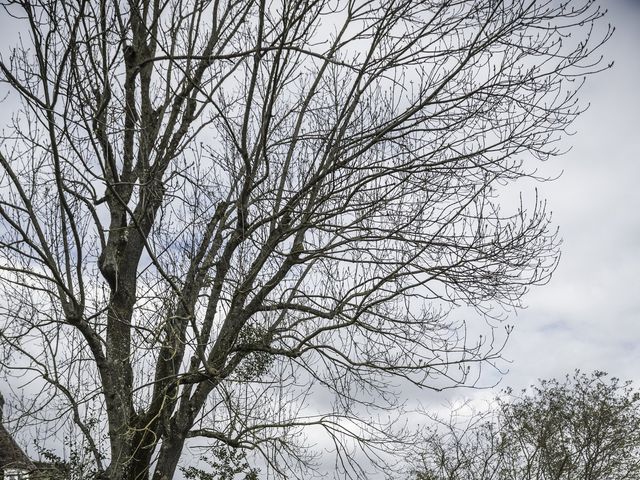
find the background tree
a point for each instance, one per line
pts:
(212, 210)
(586, 427)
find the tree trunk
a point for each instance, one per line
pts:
(169, 457)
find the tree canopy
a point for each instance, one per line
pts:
(585, 427)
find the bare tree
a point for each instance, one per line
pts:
(240, 221)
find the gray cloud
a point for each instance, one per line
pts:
(588, 317)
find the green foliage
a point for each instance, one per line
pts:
(77, 466)
(257, 362)
(586, 427)
(224, 464)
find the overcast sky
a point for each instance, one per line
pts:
(588, 316)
